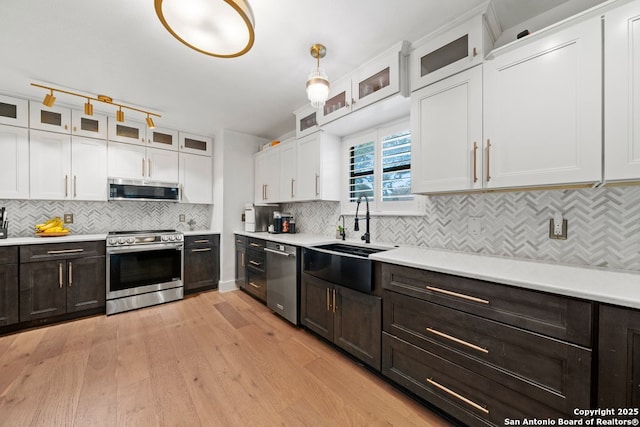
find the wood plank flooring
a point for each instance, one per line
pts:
(214, 359)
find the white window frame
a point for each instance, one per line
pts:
(376, 206)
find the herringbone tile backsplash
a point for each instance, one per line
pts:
(101, 217)
(603, 225)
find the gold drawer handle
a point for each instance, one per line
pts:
(65, 251)
(252, 262)
(202, 241)
(255, 245)
(457, 295)
(456, 395)
(254, 285)
(201, 250)
(457, 340)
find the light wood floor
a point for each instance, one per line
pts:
(215, 359)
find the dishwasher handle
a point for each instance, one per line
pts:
(285, 254)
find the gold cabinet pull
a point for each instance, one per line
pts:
(255, 245)
(488, 158)
(66, 186)
(202, 241)
(458, 295)
(475, 52)
(475, 162)
(457, 340)
(317, 191)
(60, 279)
(75, 186)
(335, 303)
(328, 304)
(254, 285)
(458, 396)
(149, 167)
(201, 250)
(292, 181)
(65, 251)
(257, 264)
(243, 264)
(70, 274)
(142, 167)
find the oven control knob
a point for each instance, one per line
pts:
(172, 238)
(121, 240)
(113, 241)
(165, 238)
(179, 237)
(131, 240)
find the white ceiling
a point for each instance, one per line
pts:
(119, 48)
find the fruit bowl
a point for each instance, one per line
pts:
(53, 234)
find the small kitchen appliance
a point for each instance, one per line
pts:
(258, 217)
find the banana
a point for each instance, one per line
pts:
(53, 225)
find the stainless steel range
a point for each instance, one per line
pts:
(143, 268)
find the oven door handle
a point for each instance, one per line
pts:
(143, 248)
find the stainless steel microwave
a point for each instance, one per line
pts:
(121, 189)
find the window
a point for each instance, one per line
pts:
(378, 166)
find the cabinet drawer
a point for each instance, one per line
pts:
(257, 244)
(548, 370)
(556, 316)
(202, 240)
(468, 396)
(256, 260)
(8, 255)
(54, 251)
(240, 240)
(256, 285)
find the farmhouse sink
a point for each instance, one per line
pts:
(341, 264)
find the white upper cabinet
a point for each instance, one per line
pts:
(288, 170)
(318, 175)
(446, 128)
(196, 178)
(128, 161)
(94, 126)
(195, 144)
(166, 139)
(14, 111)
(130, 132)
(53, 119)
(542, 109)
(373, 81)
(14, 173)
(622, 93)
(446, 52)
(306, 120)
(267, 176)
(67, 168)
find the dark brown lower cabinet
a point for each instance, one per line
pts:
(201, 262)
(477, 350)
(241, 262)
(619, 358)
(350, 319)
(8, 285)
(57, 279)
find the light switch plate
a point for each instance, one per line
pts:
(561, 236)
(68, 218)
(181, 218)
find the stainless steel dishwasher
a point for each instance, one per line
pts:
(282, 280)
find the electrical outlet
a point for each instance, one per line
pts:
(474, 225)
(563, 232)
(181, 218)
(68, 218)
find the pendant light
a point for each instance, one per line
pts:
(318, 83)
(224, 29)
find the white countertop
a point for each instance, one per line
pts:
(592, 283)
(36, 240)
(198, 232)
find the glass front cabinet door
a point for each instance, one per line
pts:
(14, 111)
(306, 120)
(93, 126)
(52, 119)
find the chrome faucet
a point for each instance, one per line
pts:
(343, 231)
(356, 227)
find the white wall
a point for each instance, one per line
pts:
(233, 187)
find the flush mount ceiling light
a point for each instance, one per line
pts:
(220, 28)
(49, 100)
(318, 83)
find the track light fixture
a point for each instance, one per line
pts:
(150, 123)
(88, 108)
(49, 100)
